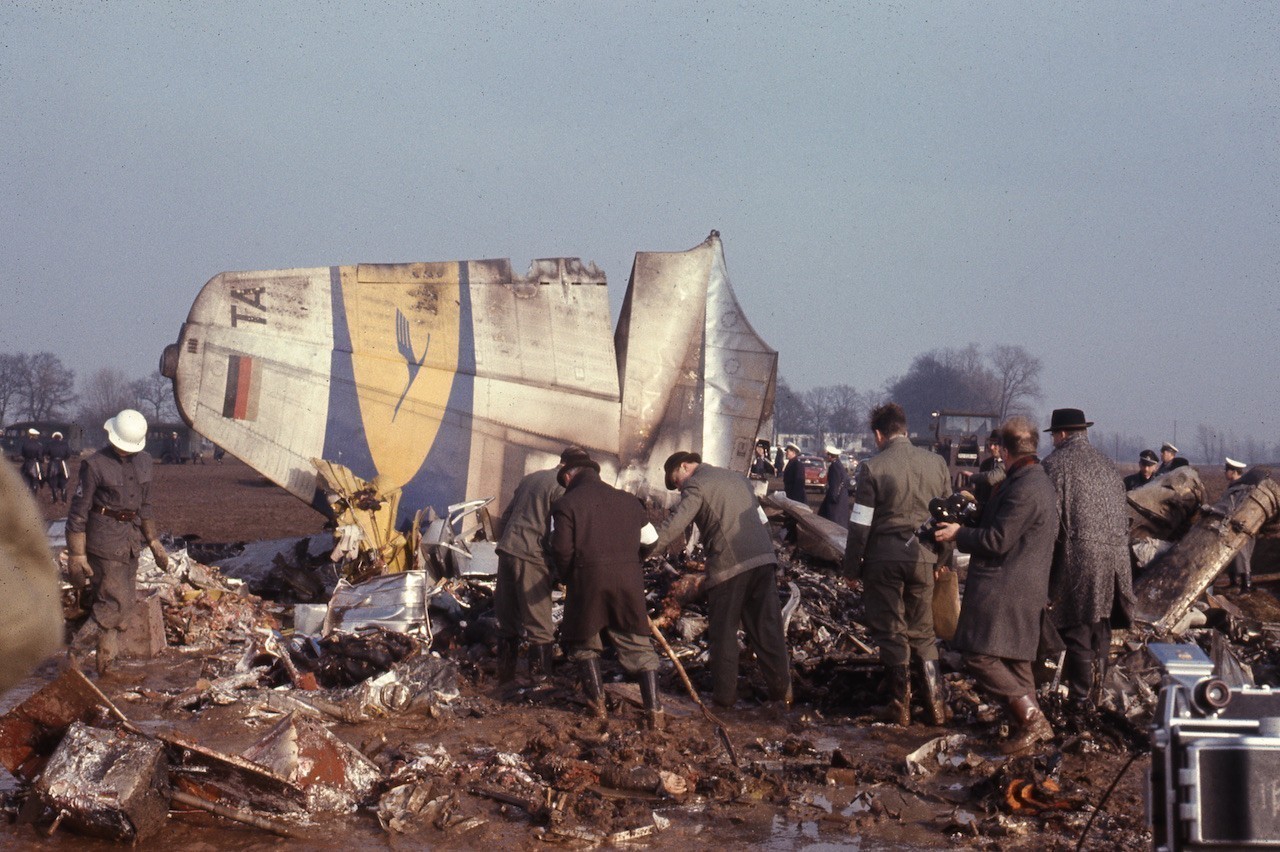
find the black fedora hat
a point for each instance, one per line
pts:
(1068, 418)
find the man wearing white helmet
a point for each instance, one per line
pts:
(108, 523)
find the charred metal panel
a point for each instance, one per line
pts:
(450, 380)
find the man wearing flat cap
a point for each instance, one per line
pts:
(522, 597)
(741, 584)
(1240, 569)
(1147, 464)
(1091, 581)
(596, 533)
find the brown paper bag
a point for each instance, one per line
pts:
(946, 604)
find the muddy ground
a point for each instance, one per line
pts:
(809, 779)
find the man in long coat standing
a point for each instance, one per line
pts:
(835, 503)
(595, 538)
(1008, 583)
(1091, 578)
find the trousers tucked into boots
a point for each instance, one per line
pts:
(593, 686)
(1033, 727)
(654, 718)
(898, 708)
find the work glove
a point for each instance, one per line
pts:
(78, 569)
(157, 549)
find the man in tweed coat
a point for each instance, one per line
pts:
(1091, 577)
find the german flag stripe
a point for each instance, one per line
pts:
(240, 400)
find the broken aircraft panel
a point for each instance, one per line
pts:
(453, 380)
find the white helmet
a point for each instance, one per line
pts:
(127, 431)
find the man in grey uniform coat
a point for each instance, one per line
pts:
(741, 585)
(1007, 585)
(522, 598)
(108, 522)
(891, 501)
(1091, 578)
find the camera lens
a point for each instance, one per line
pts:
(1212, 694)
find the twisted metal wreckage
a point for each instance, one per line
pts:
(391, 395)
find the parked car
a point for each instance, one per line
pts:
(815, 471)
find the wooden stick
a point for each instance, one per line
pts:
(693, 693)
(236, 815)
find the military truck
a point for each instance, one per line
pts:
(958, 436)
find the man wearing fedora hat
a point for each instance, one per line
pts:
(741, 584)
(1147, 464)
(108, 522)
(596, 535)
(1091, 579)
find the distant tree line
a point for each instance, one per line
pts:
(40, 387)
(1002, 380)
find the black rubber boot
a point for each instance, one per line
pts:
(654, 718)
(1078, 673)
(542, 661)
(898, 710)
(935, 693)
(508, 651)
(593, 686)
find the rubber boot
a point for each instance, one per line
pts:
(542, 660)
(108, 650)
(508, 651)
(898, 710)
(935, 693)
(593, 686)
(654, 718)
(1033, 727)
(1078, 673)
(1246, 584)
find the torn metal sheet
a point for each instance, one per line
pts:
(106, 783)
(818, 537)
(395, 601)
(457, 378)
(217, 777)
(31, 731)
(334, 775)
(940, 753)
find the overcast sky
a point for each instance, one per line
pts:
(1099, 183)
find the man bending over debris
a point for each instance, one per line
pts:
(595, 539)
(522, 599)
(107, 524)
(741, 581)
(891, 502)
(1008, 582)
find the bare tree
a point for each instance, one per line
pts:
(944, 378)
(1017, 374)
(1207, 438)
(789, 413)
(102, 396)
(818, 402)
(48, 385)
(155, 392)
(847, 409)
(12, 382)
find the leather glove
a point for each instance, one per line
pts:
(78, 569)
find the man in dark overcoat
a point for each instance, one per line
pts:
(1007, 585)
(1091, 579)
(522, 597)
(595, 539)
(108, 522)
(32, 453)
(742, 579)
(56, 454)
(835, 503)
(891, 501)
(793, 475)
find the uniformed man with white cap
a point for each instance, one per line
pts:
(1240, 569)
(108, 522)
(1168, 452)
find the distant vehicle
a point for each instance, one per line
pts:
(815, 472)
(958, 436)
(11, 438)
(164, 448)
